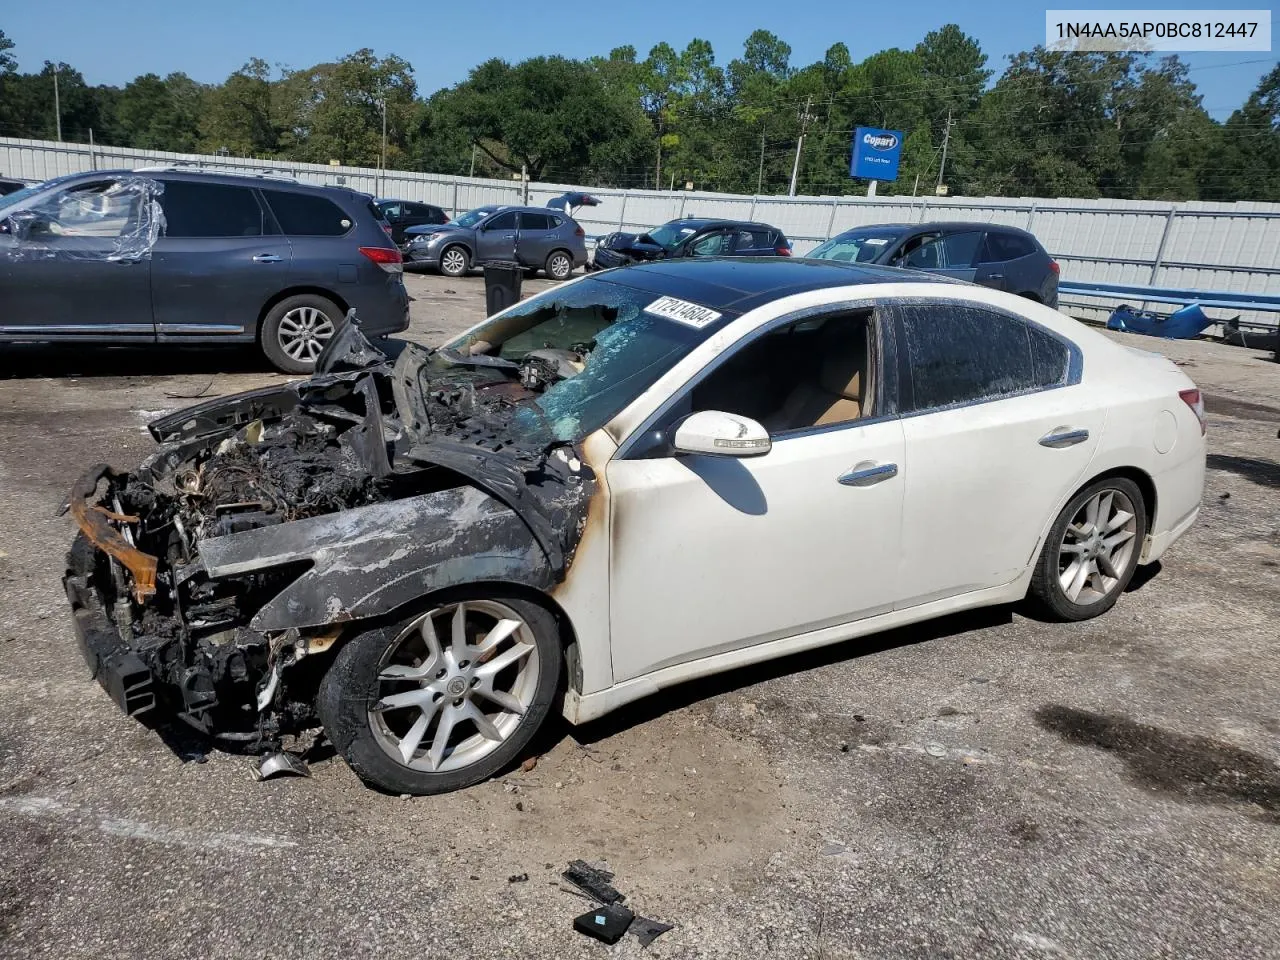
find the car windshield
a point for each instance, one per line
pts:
(472, 217)
(853, 247)
(26, 192)
(586, 351)
(669, 235)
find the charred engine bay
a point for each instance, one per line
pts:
(343, 440)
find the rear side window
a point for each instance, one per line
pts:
(209, 210)
(959, 354)
(306, 215)
(535, 221)
(1001, 247)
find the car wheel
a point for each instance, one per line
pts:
(454, 261)
(446, 698)
(296, 330)
(559, 265)
(1092, 550)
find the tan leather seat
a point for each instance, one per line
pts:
(836, 396)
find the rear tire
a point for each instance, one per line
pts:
(1092, 551)
(559, 265)
(390, 691)
(296, 329)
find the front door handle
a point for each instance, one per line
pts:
(266, 258)
(867, 473)
(1063, 437)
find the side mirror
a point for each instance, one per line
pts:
(718, 434)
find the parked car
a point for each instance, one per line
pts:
(1000, 257)
(8, 186)
(402, 214)
(172, 256)
(642, 477)
(694, 237)
(534, 236)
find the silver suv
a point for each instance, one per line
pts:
(534, 236)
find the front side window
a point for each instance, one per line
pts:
(503, 221)
(391, 212)
(107, 209)
(958, 354)
(812, 373)
(583, 353)
(306, 215)
(209, 210)
(712, 245)
(949, 251)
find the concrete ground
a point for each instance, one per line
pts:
(982, 786)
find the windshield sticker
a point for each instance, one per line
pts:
(875, 242)
(682, 311)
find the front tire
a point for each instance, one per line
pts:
(446, 698)
(1092, 551)
(454, 261)
(296, 329)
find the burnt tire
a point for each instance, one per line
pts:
(559, 265)
(356, 695)
(1110, 509)
(295, 330)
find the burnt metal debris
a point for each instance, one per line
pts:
(611, 919)
(203, 580)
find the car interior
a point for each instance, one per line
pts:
(811, 373)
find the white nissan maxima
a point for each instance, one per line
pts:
(640, 477)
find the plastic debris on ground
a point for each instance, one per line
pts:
(607, 924)
(610, 920)
(593, 882)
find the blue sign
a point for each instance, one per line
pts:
(875, 154)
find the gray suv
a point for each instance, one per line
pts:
(185, 257)
(537, 237)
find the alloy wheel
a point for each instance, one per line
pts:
(1097, 547)
(304, 332)
(455, 685)
(454, 262)
(560, 266)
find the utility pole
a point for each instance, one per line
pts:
(472, 173)
(383, 104)
(804, 123)
(946, 138)
(760, 175)
(524, 182)
(57, 106)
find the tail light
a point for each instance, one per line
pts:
(1194, 400)
(388, 258)
(386, 228)
(1053, 265)
(783, 251)
(579, 232)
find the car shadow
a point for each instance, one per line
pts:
(703, 688)
(30, 361)
(1265, 473)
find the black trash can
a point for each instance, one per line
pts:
(502, 279)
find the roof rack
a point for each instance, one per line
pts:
(202, 168)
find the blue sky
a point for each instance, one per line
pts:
(444, 40)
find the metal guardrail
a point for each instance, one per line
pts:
(1205, 298)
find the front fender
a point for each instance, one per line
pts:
(369, 561)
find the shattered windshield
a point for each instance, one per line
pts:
(472, 217)
(584, 351)
(669, 235)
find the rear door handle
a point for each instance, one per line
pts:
(867, 473)
(1063, 437)
(266, 258)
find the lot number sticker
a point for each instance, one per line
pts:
(682, 311)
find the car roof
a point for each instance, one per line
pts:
(698, 223)
(264, 180)
(934, 225)
(738, 284)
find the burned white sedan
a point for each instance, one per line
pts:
(638, 478)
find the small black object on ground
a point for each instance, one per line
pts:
(607, 924)
(611, 920)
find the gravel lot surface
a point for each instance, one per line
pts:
(981, 786)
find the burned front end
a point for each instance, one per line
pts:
(209, 583)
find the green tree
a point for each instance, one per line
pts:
(239, 118)
(157, 114)
(1249, 165)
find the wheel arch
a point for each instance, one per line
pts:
(302, 290)
(1143, 480)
